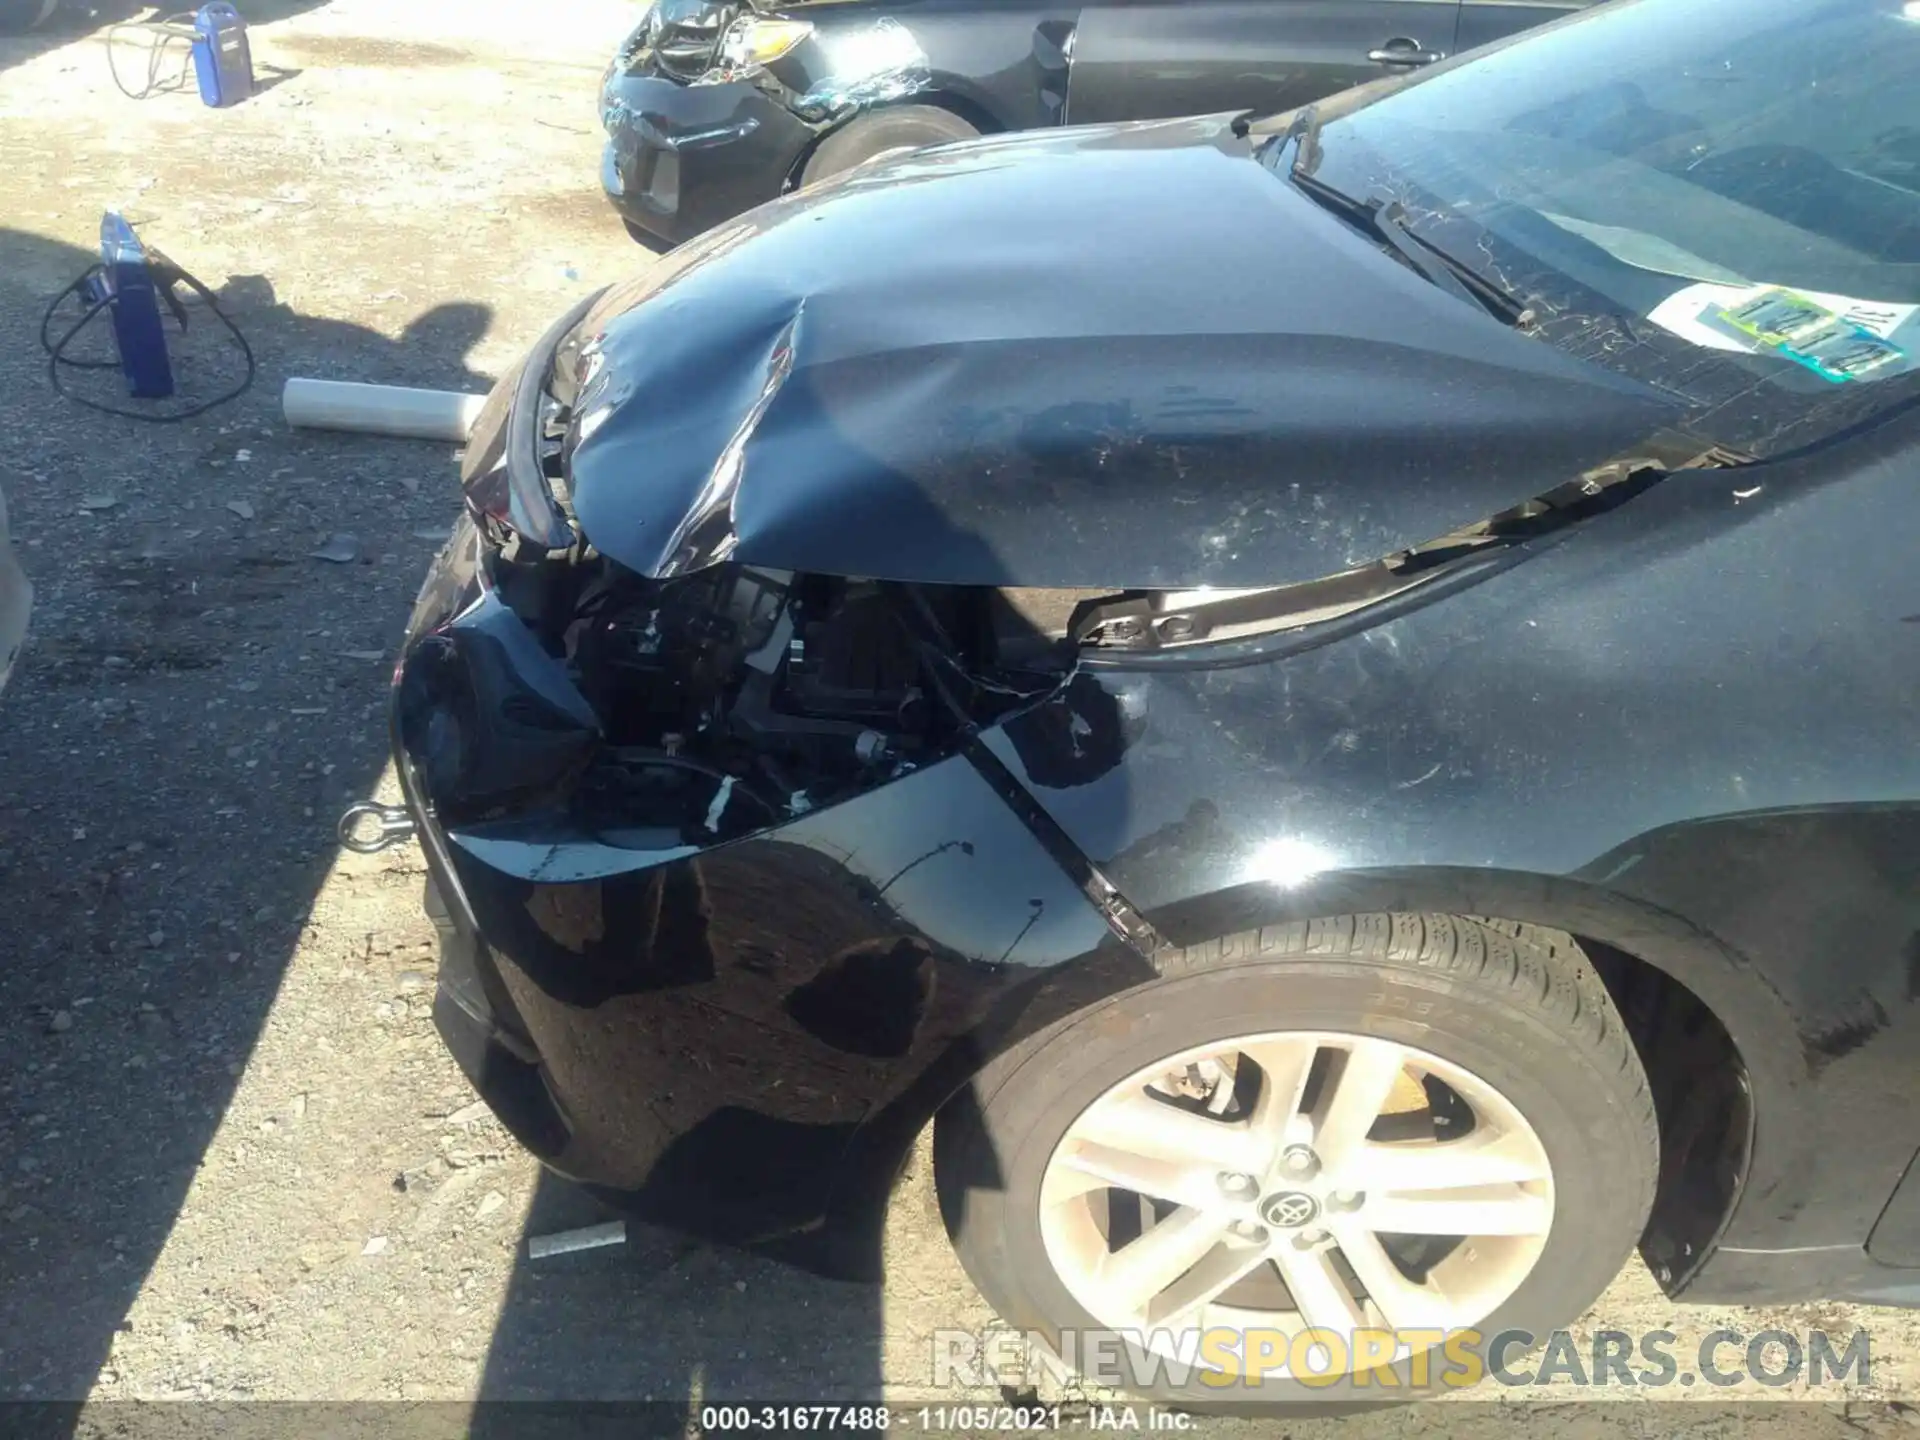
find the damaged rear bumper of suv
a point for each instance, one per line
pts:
(711, 106)
(681, 159)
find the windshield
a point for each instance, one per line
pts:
(1743, 174)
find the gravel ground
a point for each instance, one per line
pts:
(234, 1162)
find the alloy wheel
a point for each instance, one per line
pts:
(1296, 1181)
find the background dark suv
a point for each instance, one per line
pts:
(714, 106)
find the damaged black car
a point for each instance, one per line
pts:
(714, 106)
(1333, 700)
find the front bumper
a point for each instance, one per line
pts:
(559, 1001)
(681, 159)
(738, 1042)
(476, 1017)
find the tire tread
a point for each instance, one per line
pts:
(1540, 968)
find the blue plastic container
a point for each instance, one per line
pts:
(222, 55)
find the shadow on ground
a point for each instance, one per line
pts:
(194, 708)
(199, 698)
(675, 1322)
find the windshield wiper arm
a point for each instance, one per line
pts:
(1387, 221)
(1468, 283)
(1304, 135)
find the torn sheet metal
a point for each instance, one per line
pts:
(570, 859)
(1136, 357)
(874, 66)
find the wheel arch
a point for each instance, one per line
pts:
(1718, 1043)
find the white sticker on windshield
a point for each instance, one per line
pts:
(1837, 337)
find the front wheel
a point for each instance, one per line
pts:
(883, 132)
(1307, 1154)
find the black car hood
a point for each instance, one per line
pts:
(1124, 356)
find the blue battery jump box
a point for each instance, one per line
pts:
(125, 282)
(131, 285)
(222, 55)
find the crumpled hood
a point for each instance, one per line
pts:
(1118, 356)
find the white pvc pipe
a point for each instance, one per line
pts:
(381, 409)
(591, 1237)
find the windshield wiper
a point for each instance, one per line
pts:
(1390, 220)
(1386, 221)
(1302, 135)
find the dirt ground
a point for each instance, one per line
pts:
(234, 1162)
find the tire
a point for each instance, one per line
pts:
(1512, 1016)
(898, 127)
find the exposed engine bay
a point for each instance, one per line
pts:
(737, 698)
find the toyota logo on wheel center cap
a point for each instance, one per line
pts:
(1289, 1210)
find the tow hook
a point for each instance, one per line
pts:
(369, 827)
